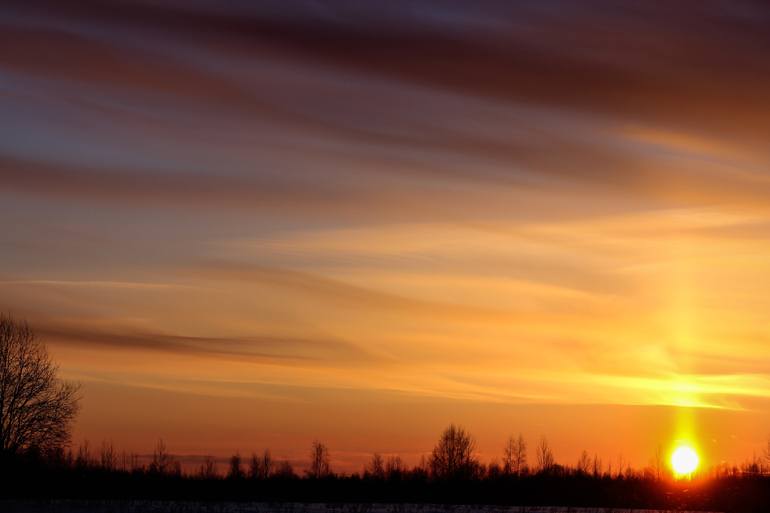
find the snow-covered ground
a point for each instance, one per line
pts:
(260, 507)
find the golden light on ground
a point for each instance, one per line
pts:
(684, 460)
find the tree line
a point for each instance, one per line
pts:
(450, 474)
(37, 410)
(453, 458)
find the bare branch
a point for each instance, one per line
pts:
(36, 408)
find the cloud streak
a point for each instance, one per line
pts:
(261, 85)
(398, 203)
(264, 349)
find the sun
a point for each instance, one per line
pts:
(684, 460)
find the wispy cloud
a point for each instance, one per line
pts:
(477, 203)
(256, 349)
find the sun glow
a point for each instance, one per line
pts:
(684, 460)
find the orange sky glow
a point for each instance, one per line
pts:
(278, 226)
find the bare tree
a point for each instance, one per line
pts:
(255, 466)
(658, 464)
(267, 464)
(208, 469)
(766, 458)
(123, 459)
(284, 470)
(584, 463)
(235, 471)
(261, 466)
(508, 455)
(519, 456)
(83, 459)
(320, 462)
(162, 462)
(422, 469)
(108, 458)
(134, 464)
(36, 408)
(394, 467)
(545, 460)
(596, 466)
(752, 466)
(376, 466)
(453, 456)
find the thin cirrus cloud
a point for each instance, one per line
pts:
(264, 349)
(265, 89)
(411, 201)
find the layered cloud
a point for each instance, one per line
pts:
(486, 204)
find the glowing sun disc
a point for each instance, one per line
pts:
(684, 460)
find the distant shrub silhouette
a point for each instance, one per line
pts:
(36, 408)
(284, 470)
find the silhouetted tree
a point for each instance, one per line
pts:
(514, 456)
(657, 463)
(255, 467)
(421, 471)
(83, 459)
(583, 466)
(122, 461)
(108, 460)
(508, 449)
(320, 462)
(134, 463)
(235, 470)
(162, 463)
(766, 458)
(261, 466)
(376, 467)
(494, 471)
(208, 469)
(453, 455)
(752, 466)
(284, 470)
(394, 467)
(596, 466)
(545, 460)
(520, 456)
(36, 408)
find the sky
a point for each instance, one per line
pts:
(246, 224)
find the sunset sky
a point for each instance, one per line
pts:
(253, 224)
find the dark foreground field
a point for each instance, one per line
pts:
(31, 484)
(135, 506)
